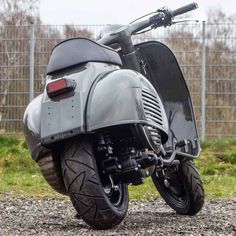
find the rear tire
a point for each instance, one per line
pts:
(185, 193)
(51, 170)
(85, 188)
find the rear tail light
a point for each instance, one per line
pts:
(60, 86)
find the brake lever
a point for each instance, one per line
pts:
(184, 20)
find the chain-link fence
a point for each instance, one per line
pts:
(206, 53)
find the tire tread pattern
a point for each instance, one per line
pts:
(84, 187)
(194, 186)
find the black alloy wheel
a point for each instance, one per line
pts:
(182, 190)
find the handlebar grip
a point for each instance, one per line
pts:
(184, 9)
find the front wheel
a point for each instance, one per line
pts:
(95, 201)
(182, 190)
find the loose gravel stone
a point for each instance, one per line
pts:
(25, 216)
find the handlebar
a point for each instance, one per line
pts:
(184, 9)
(163, 17)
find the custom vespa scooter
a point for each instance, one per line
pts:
(113, 113)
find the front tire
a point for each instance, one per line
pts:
(182, 190)
(98, 207)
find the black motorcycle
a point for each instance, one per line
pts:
(113, 113)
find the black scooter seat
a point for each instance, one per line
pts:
(75, 51)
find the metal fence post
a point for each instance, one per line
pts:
(32, 47)
(203, 83)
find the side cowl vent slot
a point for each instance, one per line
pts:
(152, 107)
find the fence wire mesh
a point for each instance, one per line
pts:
(185, 40)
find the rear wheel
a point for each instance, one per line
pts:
(92, 193)
(182, 190)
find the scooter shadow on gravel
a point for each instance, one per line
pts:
(137, 220)
(70, 225)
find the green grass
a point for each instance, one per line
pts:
(19, 175)
(217, 166)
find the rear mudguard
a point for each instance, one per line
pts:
(47, 121)
(163, 71)
(105, 96)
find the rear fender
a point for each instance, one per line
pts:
(64, 116)
(48, 121)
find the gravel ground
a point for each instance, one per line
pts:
(21, 216)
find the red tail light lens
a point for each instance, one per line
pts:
(60, 86)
